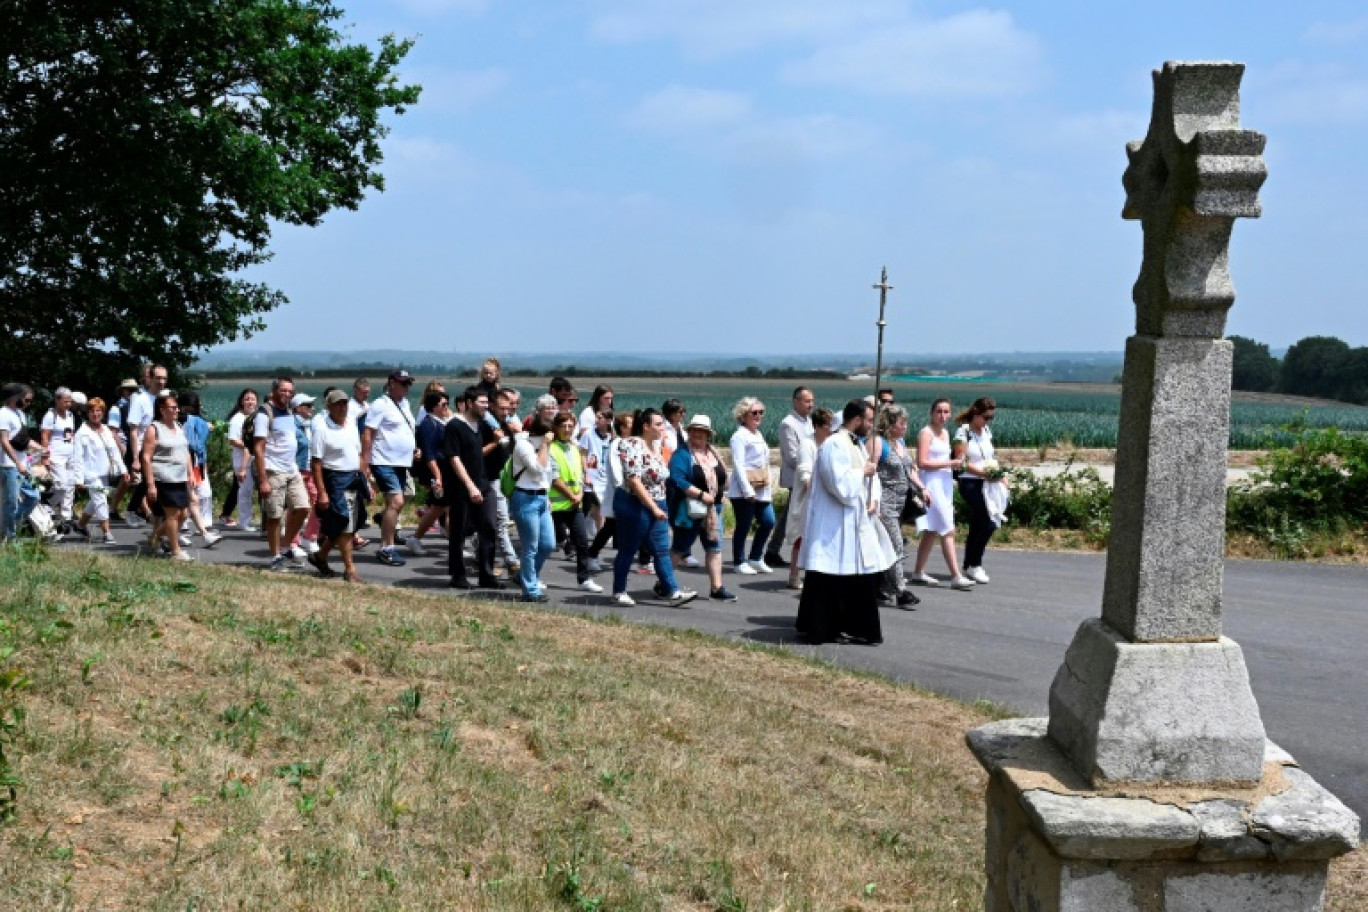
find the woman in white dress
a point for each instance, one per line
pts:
(937, 465)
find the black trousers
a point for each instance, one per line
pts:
(576, 525)
(981, 526)
(482, 516)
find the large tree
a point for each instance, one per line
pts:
(146, 148)
(1314, 366)
(1255, 368)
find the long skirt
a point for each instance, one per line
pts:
(833, 606)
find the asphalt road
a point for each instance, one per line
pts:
(1303, 628)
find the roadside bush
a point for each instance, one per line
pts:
(1317, 486)
(1070, 500)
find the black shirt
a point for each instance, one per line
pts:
(463, 442)
(494, 460)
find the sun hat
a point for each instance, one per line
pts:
(335, 397)
(130, 383)
(78, 399)
(700, 421)
(299, 399)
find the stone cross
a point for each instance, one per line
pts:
(1183, 713)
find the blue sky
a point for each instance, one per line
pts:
(730, 175)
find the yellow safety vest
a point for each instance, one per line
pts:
(570, 470)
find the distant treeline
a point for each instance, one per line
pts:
(1321, 366)
(570, 371)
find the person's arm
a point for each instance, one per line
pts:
(738, 451)
(789, 442)
(20, 464)
(149, 446)
(259, 451)
(45, 430)
(322, 501)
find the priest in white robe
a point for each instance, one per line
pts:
(845, 548)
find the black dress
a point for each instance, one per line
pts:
(835, 606)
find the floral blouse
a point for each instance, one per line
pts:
(641, 461)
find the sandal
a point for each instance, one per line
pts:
(351, 576)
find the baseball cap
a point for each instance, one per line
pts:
(335, 397)
(401, 376)
(301, 399)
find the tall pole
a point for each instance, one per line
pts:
(884, 288)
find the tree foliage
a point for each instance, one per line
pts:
(147, 147)
(1314, 367)
(1255, 368)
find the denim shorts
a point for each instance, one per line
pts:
(685, 537)
(390, 479)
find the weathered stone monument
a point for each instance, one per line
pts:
(1152, 787)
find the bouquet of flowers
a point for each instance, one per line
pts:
(992, 471)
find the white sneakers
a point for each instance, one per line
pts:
(961, 582)
(976, 574)
(211, 538)
(590, 586)
(750, 568)
(691, 561)
(623, 600)
(415, 546)
(924, 579)
(310, 544)
(297, 554)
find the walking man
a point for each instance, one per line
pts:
(283, 495)
(793, 430)
(388, 445)
(469, 491)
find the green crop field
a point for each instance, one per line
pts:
(1029, 415)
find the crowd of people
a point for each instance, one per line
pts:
(653, 482)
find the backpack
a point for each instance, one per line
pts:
(507, 480)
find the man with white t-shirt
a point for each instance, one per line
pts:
(388, 445)
(283, 495)
(142, 408)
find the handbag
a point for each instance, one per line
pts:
(695, 509)
(914, 508)
(758, 478)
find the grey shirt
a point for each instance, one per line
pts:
(793, 430)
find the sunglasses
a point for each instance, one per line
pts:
(757, 411)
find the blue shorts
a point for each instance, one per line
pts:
(390, 479)
(685, 538)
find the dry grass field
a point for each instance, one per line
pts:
(207, 738)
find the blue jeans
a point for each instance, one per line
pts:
(685, 536)
(9, 502)
(635, 526)
(747, 512)
(532, 516)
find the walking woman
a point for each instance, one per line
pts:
(600, 400)
(166, 466)
(335, 460)
(936, 464)
(612, 480)
(974, 446)
(749, 489)
(639, 505)
(240, 491)
(700, 480)
(567, 497)
(57, 434)
(530, 466)
(898, 476)
(99, 468)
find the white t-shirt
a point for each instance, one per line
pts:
(142, 407)
(13, 422)
(587, 419)
(278, 428)
(63, 442)
(235, 433)
(338, 447)
(595, 460)
(393, 426)
(356, 411)
(977, 447)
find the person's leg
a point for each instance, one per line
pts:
(948, 551)
(981, 526)
(389, 520)
(460, 506)
(925, 545)
(230, 501)
(311, 529)
(892, 581)
(63, 490)
(171, 525)
(658, 536)
(9, 502)
(505, 541)
(632, 523)
(529, 532)
(484, 541)
(205, 492)
(244, 501)
(546, 537)
(776, 542)
(712, 562)
(344, 547)
(605, 535)
(294, 521)
(745, 511)
(765, 514)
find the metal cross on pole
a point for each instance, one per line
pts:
(884, 288)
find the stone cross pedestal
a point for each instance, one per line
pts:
(1152, 787)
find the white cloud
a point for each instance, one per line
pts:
(678, 108)
(456, 90)
(712, 27)
(976, 54)
(1340, 33)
